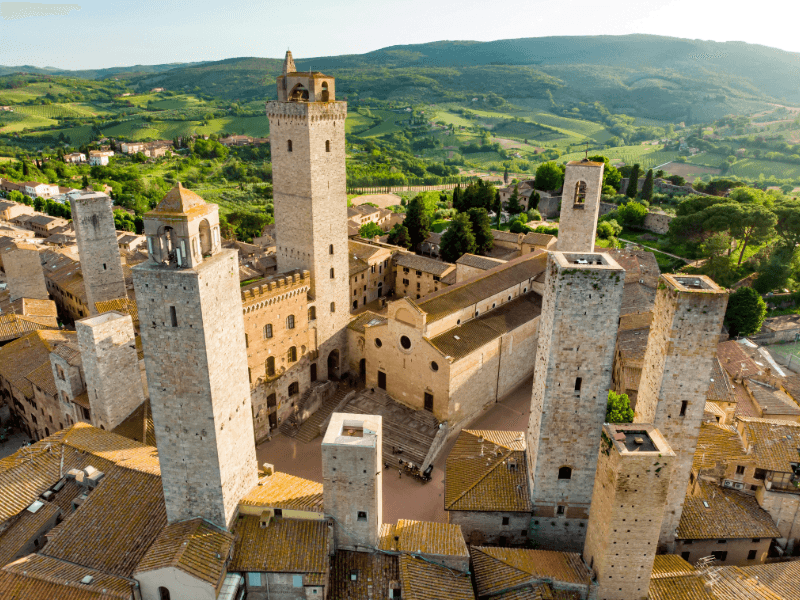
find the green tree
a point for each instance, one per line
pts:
(633, 182)
(774, 272)
(718, 265)
(458, 239)
(608, 229)
(618, 409)
(788, 223)
(481, 229)
(746, 312)
(417, 221)
(513, 206)
(505, 176)
(399, 236)
(632, 214)
(457, 198)
(746, 223)
(611, 175)
(369, 231)
(85, 182)
(549, 176)
(647, 188)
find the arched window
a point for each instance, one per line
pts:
(324, 96)
(289, 145)
(292, 354)
(332, 275)
(290, 322)
(312, 313)
(580, 192)
(327, 145)
(565, 473)
(270, 366)
(163, 593)
(333, 306)
(294, 388)
(267, 331)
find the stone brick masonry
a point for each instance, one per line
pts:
(580, 211)
(24, 274)
(572, 373)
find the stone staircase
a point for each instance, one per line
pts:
(404, 429)
(289, 427)
(309, 429)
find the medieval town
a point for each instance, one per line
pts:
(322, 415)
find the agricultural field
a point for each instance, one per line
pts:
(388, 124)
(13, 122)
(751, 168)
(175, 102)
(688, 171)
(357, 123)
(77, 135)
(253, 126)
(646, 156)
(31, 91)
(61, 111)
(706, 159)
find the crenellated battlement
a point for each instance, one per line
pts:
(275, 289)
(303, 112)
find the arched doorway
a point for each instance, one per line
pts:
(205, 238)
(362, 369)
(333, 364)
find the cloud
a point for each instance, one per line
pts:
(22, 10)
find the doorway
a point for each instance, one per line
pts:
(313, 371)
(333, 365)
(362, 369)
(382, 380)
(428, 402)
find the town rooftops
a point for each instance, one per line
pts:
(377, 574)
(506, 236)
(721, 513)
(736, 361)
(365, 319)
(479, 262)
(718, 445)
(632, 344)
(423, 537)
(487, 471)
(422, 263)
(281, 490)
(195, 547)
(773, 444)
(422, 580)
(772, 401)
(538, 239)
(23, 356)
(491, 282)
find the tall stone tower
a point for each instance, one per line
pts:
(687, 319)
(572, 373)
(24, 273)
(97, 244)
(111, 366)
(351, 469)
(630, 493)
(580, 206)
(309, 184)
(190, 314)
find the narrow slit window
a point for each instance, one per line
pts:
(289, 145)
(327, 145)
(173, 316)
(578, 383)
(684, 406)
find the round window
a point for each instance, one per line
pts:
(458, 322)
(378, 342)
(434, 366)
(405, 342)
(494, 304)
(509, 297)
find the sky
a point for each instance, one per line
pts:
(98, 34)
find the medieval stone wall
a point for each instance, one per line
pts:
(578, 222)
(24, 274)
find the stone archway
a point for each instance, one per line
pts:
(206, 244)
(333, 364)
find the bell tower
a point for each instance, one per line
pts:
(307, 140)
(190, 313)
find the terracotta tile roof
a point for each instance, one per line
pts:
(264, 549)
(533, 591)
(42, 578)
(506, 236)
(281, 490)
(422, 263)
(714, 410)
(14, 326)
(424, 537)
(771, 401)
(781, 578)
(465, 339)
(375, 575)
(777, 581)
(26, 525)
(670, 565)
(538, 239)
(633, 344)
(21, 357)
(640, 265)
(422, 580)
(718, 445)
(498, 569)
(367, 317)
(195, 547)
(745, 407)
(491, 282)
(132, 427)
(637, 297)
(82, 399)
(179, 200)
(720, 387)
(635, 320)
(70, 352)
(679, 587)
(774, 443)
(479, 262)
(478, 476)
(736, 361)
(126, 306)
(729, 514)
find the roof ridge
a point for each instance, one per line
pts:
(503, 559)
(484, 476)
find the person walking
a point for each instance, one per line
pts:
(399, 473)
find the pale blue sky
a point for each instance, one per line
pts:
(127, 32)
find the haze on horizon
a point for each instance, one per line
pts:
(92, 34)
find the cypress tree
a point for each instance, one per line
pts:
(647, 188)
(633, 182)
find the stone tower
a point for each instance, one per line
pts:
(351, 469)
(309, 185)
(111, 367)
(572, 373)
(630, 493)
(97, 245)
(687, 319)
(190, 314)
(580, 206)
(24, 273)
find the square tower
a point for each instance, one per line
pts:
(101, 266)
(572, 373)
(580, 206)
(628, 500)
(190, 314)
(307, 140)
(111, 367)
(687, 320)
(24, 273)
(352, 464)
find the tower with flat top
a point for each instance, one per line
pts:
(190, 314)
(307, 139)
(580, 206)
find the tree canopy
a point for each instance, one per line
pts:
(458, 239)
(417, 222)
(746, 312)
(549, 176)
(399, 236)
(618, 409)
(481, 229)
(369, 231)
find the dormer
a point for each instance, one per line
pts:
(312, 86)
(182, 229)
